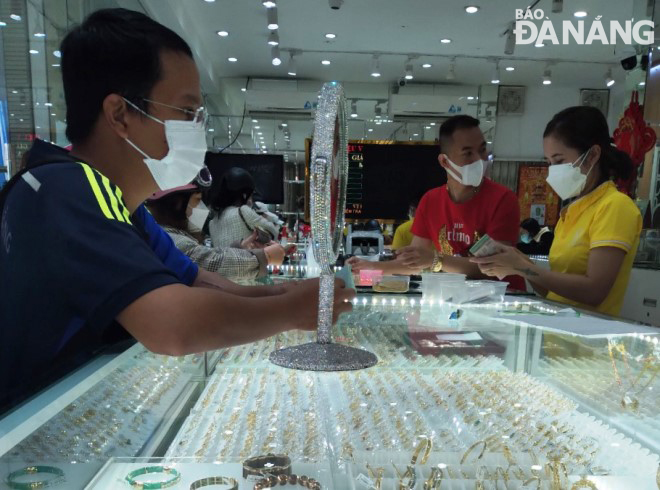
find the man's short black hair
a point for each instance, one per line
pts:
(114, 51)
(453, 124)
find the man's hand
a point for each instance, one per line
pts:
(415, 258)
(251, 242)
(304, 301)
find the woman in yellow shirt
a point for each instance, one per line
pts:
(597, 234)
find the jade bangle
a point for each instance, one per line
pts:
(56, 473)
(175, 477)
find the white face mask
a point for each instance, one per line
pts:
(566, 179)
(471, 174)
(198, 216)
(187, 149)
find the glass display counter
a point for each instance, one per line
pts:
(485, 396)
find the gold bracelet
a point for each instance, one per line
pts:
(435, 480)
(410, 474)
(584, 483)
(426, 444)
(520, 474)
(469, 450)
(538, 482)
(505, 477)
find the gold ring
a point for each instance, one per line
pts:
(469, 450)
(584, 483)
(426, 444)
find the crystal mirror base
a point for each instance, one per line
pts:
(323, 357)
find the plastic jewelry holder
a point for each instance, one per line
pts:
(329, 173)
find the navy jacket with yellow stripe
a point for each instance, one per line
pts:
(72, 257)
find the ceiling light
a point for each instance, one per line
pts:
(211, 130)
(415, 134)
(285, 125)
(539, 45)
(330, 35)
(48, 104)
(470, 97)
(409, 72)
(375, 67)
(609, 81)
(426, 65)
(273, 39)
(325, 62)
(370, 130)
(445, 40)
(292, 69)
(257, 127)
(427, 127)
(53, 114)
(509, 68)
(510, 42)
(472, 9)
(55, 65)
(547, 77)
(495, 79)
(209, 1)
(243, 89)
(580, 14)
(557, 6)
(255, 121)
(231, 59)
(275, 55)
(223, 33)
(57, 53)
(432, 124)
(14, 91)
(39, 34)
(642, 84)
(269, 4)
(3, 24)
(271, 13)
(34, 51)
(354, 109)
(15, 17)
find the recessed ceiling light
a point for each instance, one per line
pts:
(14, 91)
(445, 40)
(432, 124)
(470, 98)
(48, 104)
(370, 130)
(415, 134)
(57, 53)
(427, 127)
(472, 9)
(34, 51)
(3, 24)
(580, 14)
(641, 84)
(223, 33)
(55, 65)
(539, 45)
(257, 127)
(426, 65)
(509, 68)
(243, 89)
(209, 1)
(53, 114)
(15, 17)
(255, 121)
(211, 130)
(325, 62)
(232, 59)
(259, 133)
(269, 4)
(39, 34)
(330, 35)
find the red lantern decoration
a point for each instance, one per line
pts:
(635, 137)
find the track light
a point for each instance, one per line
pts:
(547, 77)
(271, 13)
(293, 66)
(275, 55)
(273, 39)
(409, 72)
(269, 4)
(495, 79)
(354, 109)
(375, 67)
(557, 6)
(451, 74)
(609, 81)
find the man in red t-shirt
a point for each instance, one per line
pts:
(451, 218)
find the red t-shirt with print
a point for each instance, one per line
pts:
(454, 228)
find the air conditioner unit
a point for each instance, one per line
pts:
(285, 105)
(404, 107)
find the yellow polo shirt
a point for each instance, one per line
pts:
(403, 236)
(603, 218)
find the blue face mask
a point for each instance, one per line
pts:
(525, 238)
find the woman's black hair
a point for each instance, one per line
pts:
(234, 188)
(170, 210)
(532, 226)
(583, 127)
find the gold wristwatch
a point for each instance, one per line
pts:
(436, 266)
